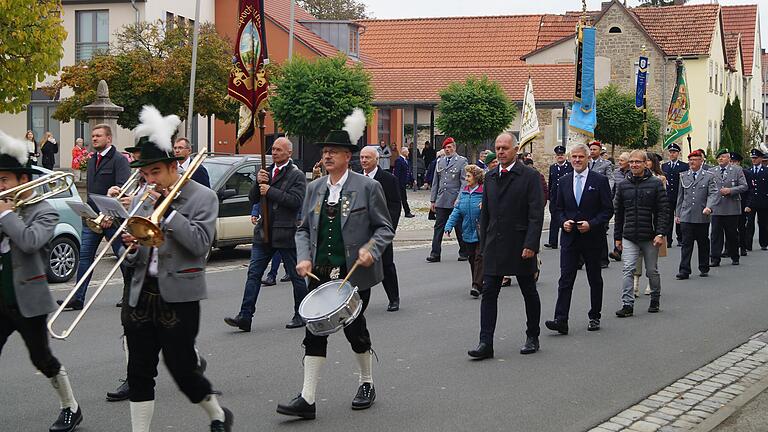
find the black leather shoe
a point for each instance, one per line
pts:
(723, 255)
(506, 281)
(654, 306)
(625, 311)
(410, 215)
(483, 351)
(239, 322)
(296, 322)
(268, 281)
(72, 305)
(714, 263)
(615, 255)
(120, 393)
(119, 304)
(763, 248)
(735, 262)
(285, 278)
(744, 252)
(297, 407)
(67, 421)
(433, 259)
(604, 265)
(365, 396)
(202, 365)
(547, 245)
(681, 276)
(559, 326)
(463, 258)
(530, 346)
(394, 306)
(594, 325)
(704, 274)
(223, 426)
(474, 292)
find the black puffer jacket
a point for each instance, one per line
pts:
(642, 208)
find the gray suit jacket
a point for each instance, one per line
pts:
(604, 167)
(734, 178)
(30, 230)
(181, 258)
(366, 218)
(694, 196)
(448, 181)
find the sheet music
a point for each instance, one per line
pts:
(109, 206)
(82, 209)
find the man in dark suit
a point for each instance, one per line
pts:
(672, 169)
(369, 159)
(557, 170)
(757, 202)
(583, 209)
(182, 148)
(511, 220)
(402, 171)
(283, 185)
(106, 168)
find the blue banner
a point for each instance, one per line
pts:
(584, 113)
(642, 79)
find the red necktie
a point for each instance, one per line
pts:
(504, 171)
(98, 159)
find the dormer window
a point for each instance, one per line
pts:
(354, 41)
(615, 30)
(344, 35)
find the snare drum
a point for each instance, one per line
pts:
(328, 308)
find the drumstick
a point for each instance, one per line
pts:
(312, 275)
(367, 246)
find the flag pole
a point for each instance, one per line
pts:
(645, 106)
(195, 34)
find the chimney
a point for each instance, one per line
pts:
(605, 5)
(679, 2)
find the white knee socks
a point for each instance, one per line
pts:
(211, 406)
(365, 362)
(60, 383)
(312, 365)
(141, 415)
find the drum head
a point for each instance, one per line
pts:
(325, 299)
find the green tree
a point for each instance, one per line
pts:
(654, 132)
(335, 9)
(474, 111)
(31, 46)
(725, 139)
(312, 98)
(151, 65)
(619, 123)
(754, 133)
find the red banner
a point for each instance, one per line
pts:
(247, 79)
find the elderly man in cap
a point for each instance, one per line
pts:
(672, 170)
(557, 170)
(757, 202)
(730, 183)
(447, 182)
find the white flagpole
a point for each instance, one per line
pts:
(195, 34)
(290, 31)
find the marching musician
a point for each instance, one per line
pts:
(169, 280)
(342, 212)
(25, 299)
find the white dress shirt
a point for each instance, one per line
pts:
(274, 170)
(372, 174)
(583, 176)
(334, 190)
(507, 168)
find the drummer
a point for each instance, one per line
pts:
(342, 211)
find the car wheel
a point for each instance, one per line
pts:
(63, 260)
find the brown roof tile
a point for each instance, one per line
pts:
(492, 41)
(422, 85)
(680, 30)
(732, 41)
(742, 19)
(555, 28)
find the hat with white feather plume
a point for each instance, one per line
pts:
(354, 127)
(14, 155)
(154, 135)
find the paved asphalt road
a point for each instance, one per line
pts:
(424, 379)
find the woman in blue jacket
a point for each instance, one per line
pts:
(467, 211)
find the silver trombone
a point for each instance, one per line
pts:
(130, 187)
(118, 233)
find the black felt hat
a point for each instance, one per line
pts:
(14, 156)
(354, 126)
(338, 138)
(155, 133)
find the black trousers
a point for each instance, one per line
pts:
(391, 285)
(441, 218)
(404, 200)
(356, 332)
(761, 215)
(489, 306)
(475, 264)
(554, 228)
(35, 335)
(743, 230)
(725, 228)
(569, 260)
(699, 233)
(154, 326)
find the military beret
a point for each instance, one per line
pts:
(489, 158)
(698, 152)
(447, 141)
(723, 151)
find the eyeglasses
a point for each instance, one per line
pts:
(636, 162)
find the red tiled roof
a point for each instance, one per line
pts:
(680, 30)
(492, 41)
(742, 19)
(732, 43)
(422, 85)
(555, 28)
(280, 13)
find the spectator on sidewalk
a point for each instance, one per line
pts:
(447, 183)
(385, 153)
(402, 170)
(467, 212)
(640, 228)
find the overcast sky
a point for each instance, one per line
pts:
(442, 8)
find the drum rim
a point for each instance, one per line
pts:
(341, 306)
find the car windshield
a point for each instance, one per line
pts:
(216, 171)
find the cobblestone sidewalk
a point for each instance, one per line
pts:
(691, 400)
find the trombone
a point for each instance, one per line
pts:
(130, 187)
(147, 231)
(57, 183)
(63, 335)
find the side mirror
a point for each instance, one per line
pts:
(226, 193)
